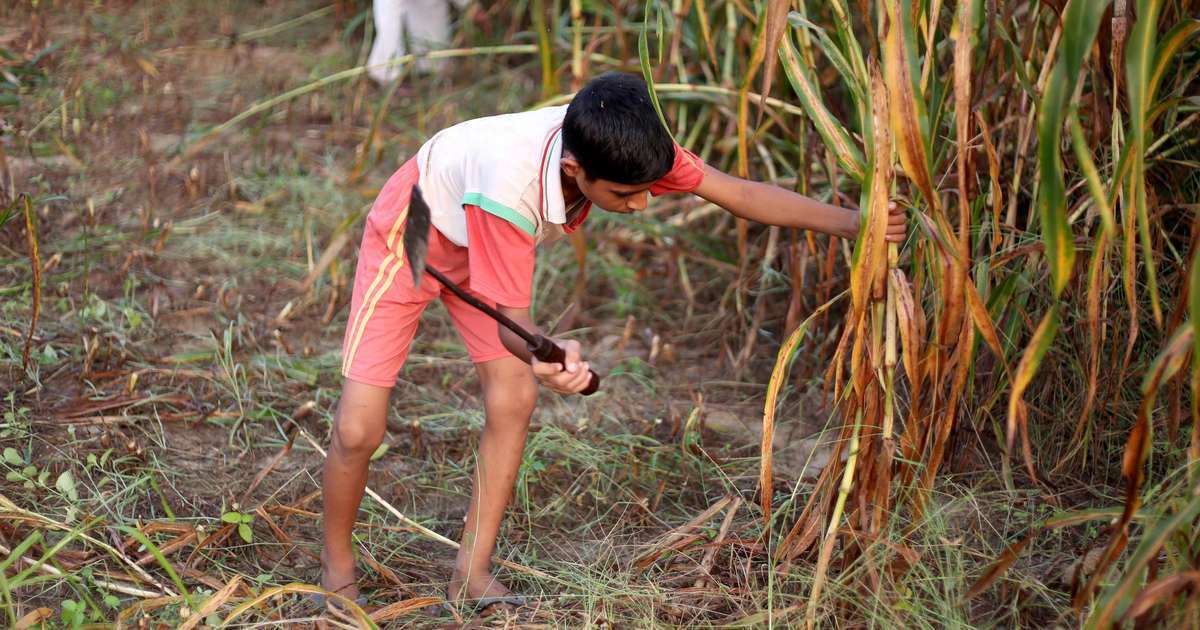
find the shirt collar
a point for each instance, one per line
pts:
(553, 208)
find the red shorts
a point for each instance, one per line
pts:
(386, 306)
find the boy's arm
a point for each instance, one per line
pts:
(500, 259)
(570, 381)
(773, 205)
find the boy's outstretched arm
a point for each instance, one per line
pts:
(773, 205)
(574, 379)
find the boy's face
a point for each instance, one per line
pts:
(609, 195)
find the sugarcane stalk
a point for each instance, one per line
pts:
(576, 44)
(889, 356)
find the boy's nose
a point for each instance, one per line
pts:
(638, 202)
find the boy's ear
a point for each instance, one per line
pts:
(570, 166)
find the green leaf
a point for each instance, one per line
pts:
(19, 551)
(1081, 19)
(1091, 175)
(1139, 61)
(247, 518)
(383, 448)
(831, 130)
(66, 484)
(13, 476)
(162, 561)
(832, 53)
(644, 62)
(231, 517)
(12, 457)
(245, 532)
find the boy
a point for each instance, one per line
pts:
(497, 186)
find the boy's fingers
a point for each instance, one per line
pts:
(572, 350)
(581, 377)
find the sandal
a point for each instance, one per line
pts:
(478, 606)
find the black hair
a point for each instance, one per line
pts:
(613, 131)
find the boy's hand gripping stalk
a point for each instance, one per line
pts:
(416, 242)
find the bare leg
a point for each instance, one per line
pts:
(509, 393)
(358, 430)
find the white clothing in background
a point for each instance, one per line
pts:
(423, 24)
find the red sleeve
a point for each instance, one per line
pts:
(685, 175)
(500, 259)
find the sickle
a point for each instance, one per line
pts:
(416, 246)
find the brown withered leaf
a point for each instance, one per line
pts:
(773, 30)
(997, 568)
(1162, 590)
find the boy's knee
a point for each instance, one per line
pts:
(512, 397)
(356, 437)
(361, 419)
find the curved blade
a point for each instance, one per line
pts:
(416, 234)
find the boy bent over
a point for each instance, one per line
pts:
(496, 187)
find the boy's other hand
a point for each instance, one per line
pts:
(897, 227)
(571, 380)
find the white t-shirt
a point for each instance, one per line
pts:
(508, 165)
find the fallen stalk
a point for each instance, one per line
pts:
(49, 569)
(11, 507)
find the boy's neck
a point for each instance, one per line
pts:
(570, 191)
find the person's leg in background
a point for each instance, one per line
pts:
(423, 24)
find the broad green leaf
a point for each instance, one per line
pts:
(231, 517)
(12, 457)
(1081, 19)
(833, 54)
(246, 533)
(835, 136)
(1171, 44)
(1139, 64)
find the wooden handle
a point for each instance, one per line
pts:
(547, 351)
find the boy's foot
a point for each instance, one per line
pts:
(339, 578)
(482, 592)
